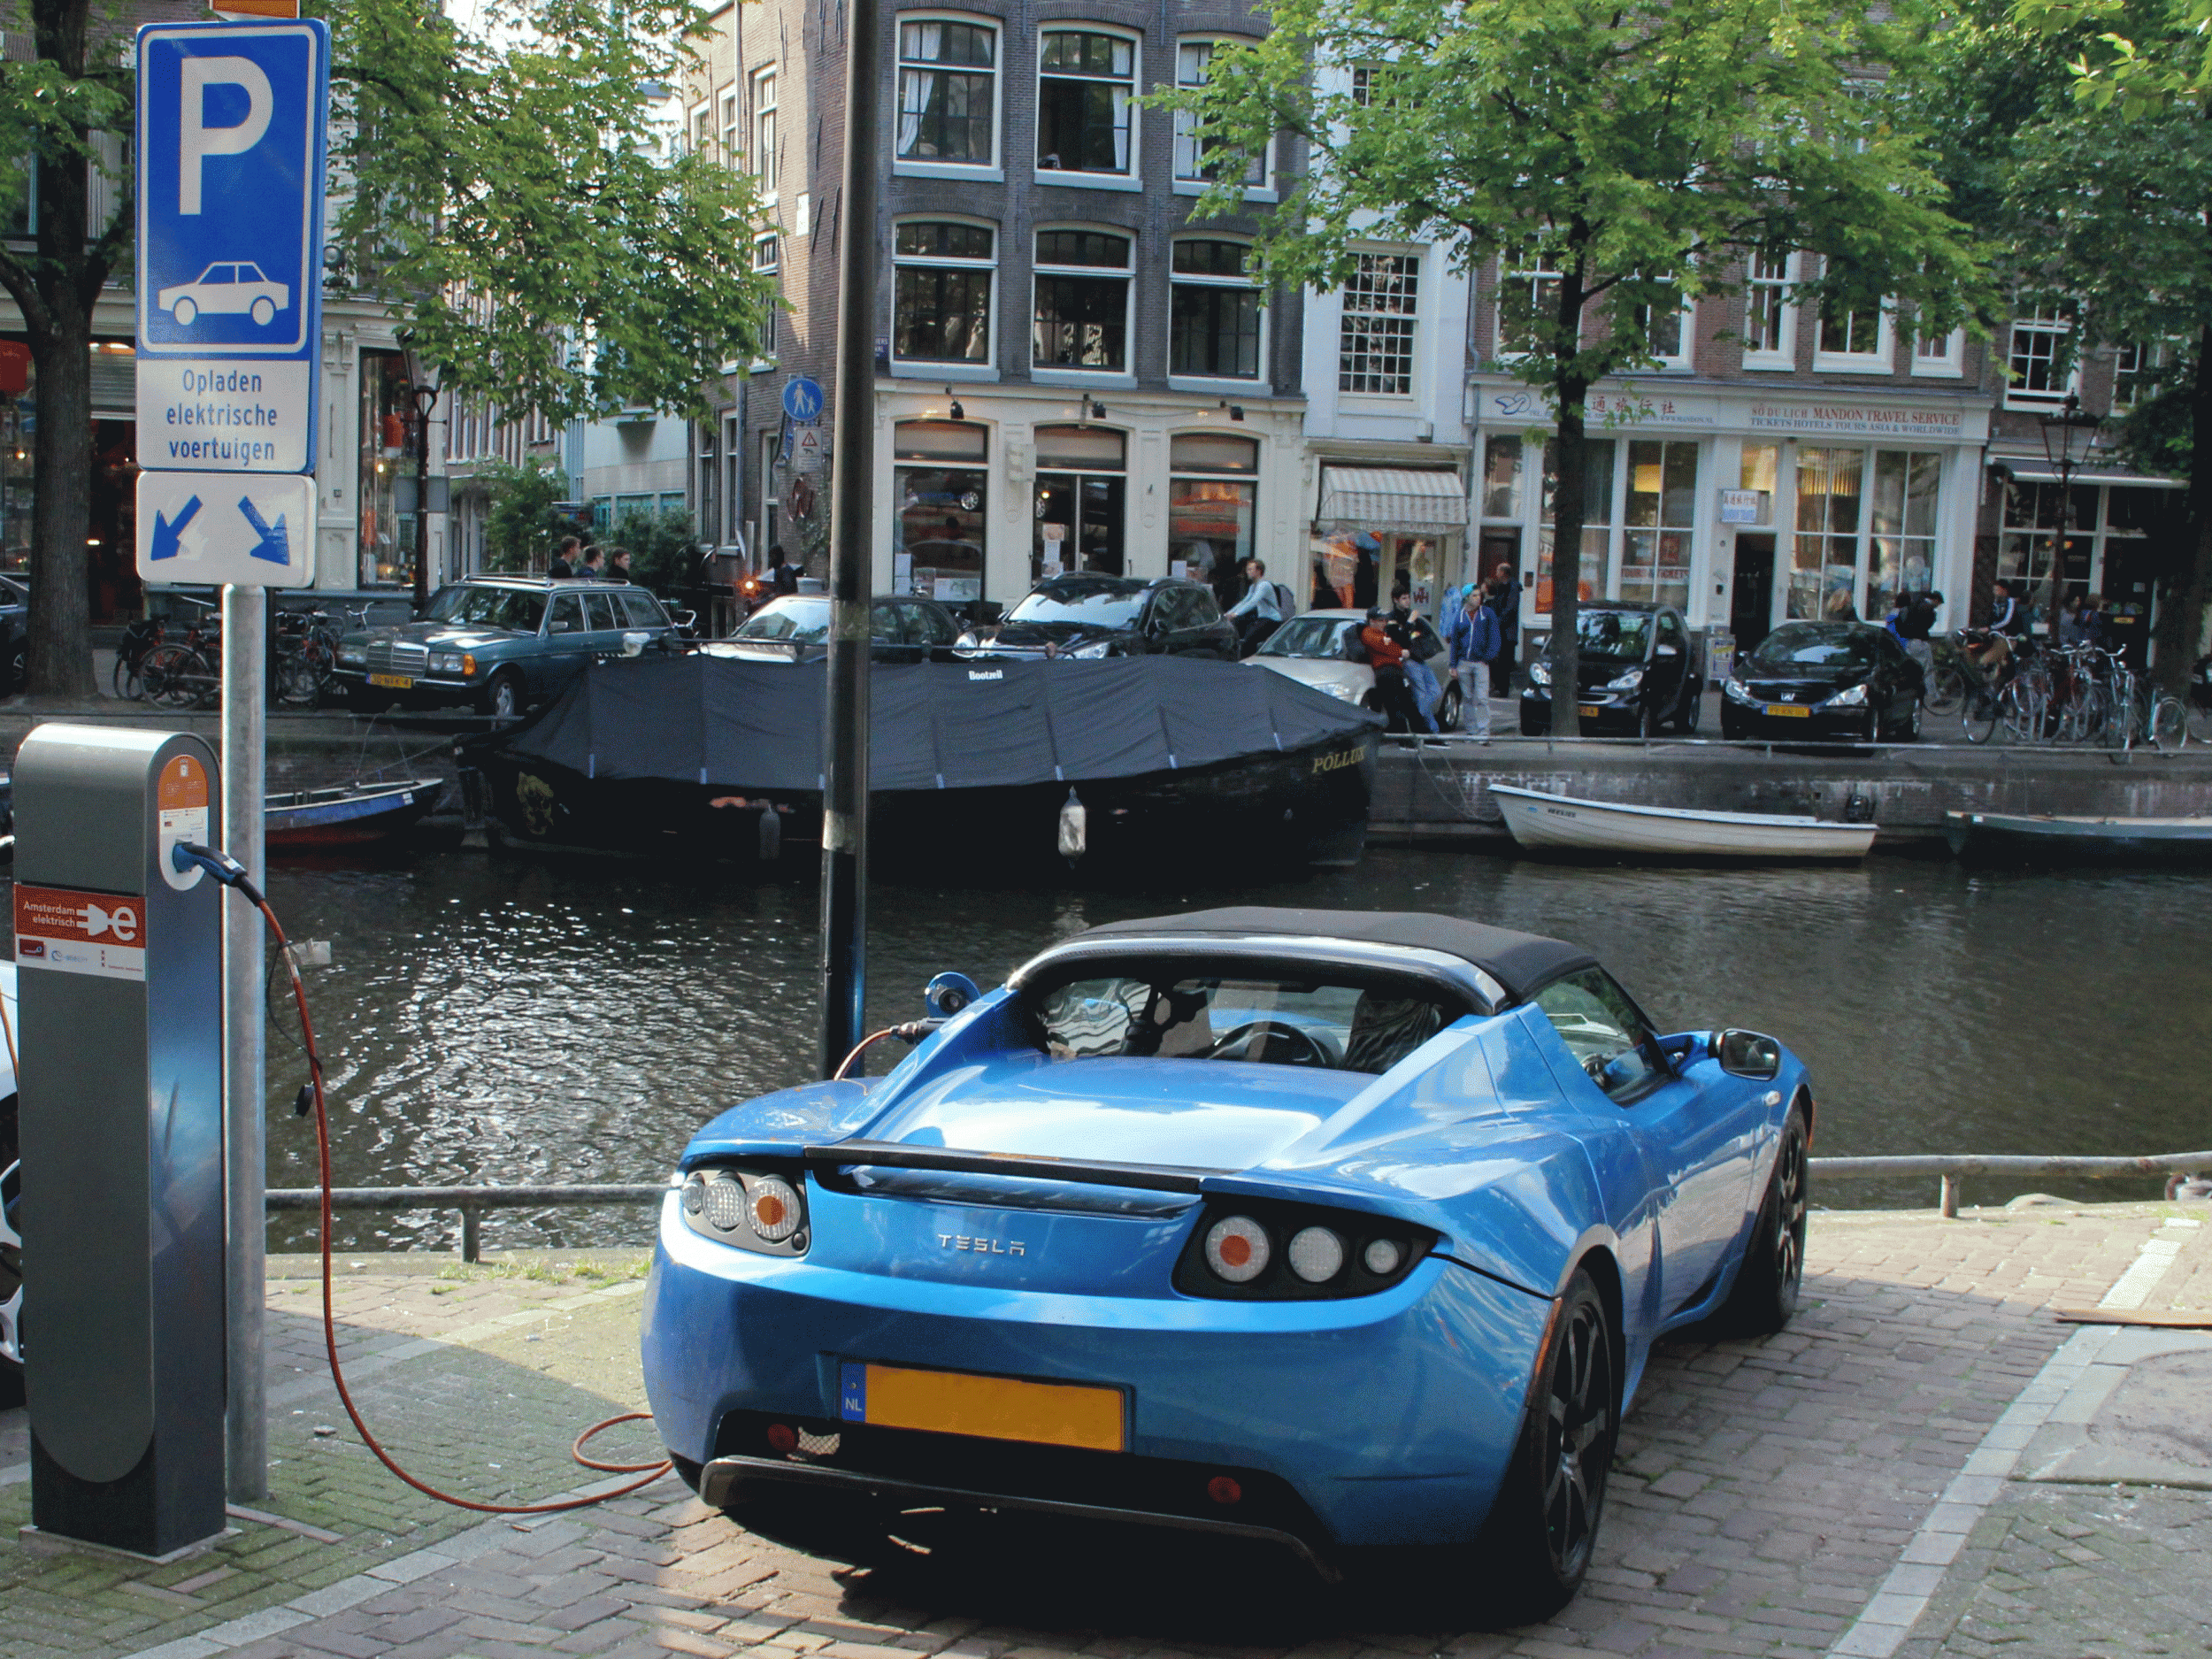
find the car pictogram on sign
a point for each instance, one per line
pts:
(225, 290)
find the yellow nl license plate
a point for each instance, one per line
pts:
(1789, 709)
(1588, 709)
(392, 682)
(989, 1408)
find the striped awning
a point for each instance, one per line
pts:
(1391, 498)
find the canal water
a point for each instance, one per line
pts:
(500, 1020)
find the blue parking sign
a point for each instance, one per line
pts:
(230, 174)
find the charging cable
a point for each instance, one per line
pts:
(187, 855)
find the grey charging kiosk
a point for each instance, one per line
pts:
(118, 961)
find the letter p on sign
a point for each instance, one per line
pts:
(195, 139)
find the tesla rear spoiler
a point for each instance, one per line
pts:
(1151, 1177)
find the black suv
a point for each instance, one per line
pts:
(1638, 676)
(1093, 616)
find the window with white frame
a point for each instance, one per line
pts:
(730, 132)
(1084, 80)
(1770, 318)
(943, 273)
(1940, 355)
(1213, 311)
(1528, 294)
(2135, 373)
(2040, 372)
(1381, 307)
(703, 130)
(768, 253)
(1854, 336)
(948, 93)
(765, 156)
(1667, 331)
(1081, 319)
(1192, 164)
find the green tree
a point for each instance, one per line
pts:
(509, 190)
(1634, 150)
(662, 547)
(522, 522)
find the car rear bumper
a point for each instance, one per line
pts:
(1385, 1420)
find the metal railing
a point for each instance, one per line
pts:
(472, 1202)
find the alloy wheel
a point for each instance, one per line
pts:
(1577, 1437)
(1789, 1212)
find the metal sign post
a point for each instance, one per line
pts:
(230, 159)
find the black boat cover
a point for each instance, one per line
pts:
(757, 727)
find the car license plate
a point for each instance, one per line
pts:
(392, 682)
(989, 1408)
(1791, 710)
(1588, 711)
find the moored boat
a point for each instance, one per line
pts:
(2035, 836)
(348, 814)
(1558, 823)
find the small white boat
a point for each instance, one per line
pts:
(1563, 822)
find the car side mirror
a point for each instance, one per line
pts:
(948, 993)
(1747, 1054)
(1667, 650)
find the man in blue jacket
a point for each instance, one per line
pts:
(1472, 632)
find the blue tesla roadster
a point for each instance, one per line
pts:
(1333, 1229)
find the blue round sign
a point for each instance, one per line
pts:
(802, 399)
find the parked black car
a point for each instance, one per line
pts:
(15, 632)
(1092, 615)
(1850, 680)
(1639, 673)
(905, 628)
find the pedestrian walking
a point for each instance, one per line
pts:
(1265, 607)
(1386, 656)
(1423, 645)
(1472, 633)
(1505, 604)
(564, 565)
(784, 578)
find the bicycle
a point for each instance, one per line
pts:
(2198, 709)
(306, 661)
(1968, 686)
(2143, 715)
(185, 674)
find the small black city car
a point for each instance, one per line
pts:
(1839, 680)
(1091, 615)
(904, 628)
(1639, 674)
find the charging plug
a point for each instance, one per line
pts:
(185, 855)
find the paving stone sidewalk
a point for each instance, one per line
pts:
(1786, 1497)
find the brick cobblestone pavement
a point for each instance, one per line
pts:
(1821, 1491)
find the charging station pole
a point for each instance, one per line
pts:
(228, 388)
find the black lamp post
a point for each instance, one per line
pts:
(2068, 438)
(422, 389)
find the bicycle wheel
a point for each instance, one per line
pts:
(127, 684)
(2169, 724)
(1948, 695)
(171, 676)
(299, 680)
(2020, 711)
(1979, 715)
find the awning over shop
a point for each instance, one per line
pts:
(1391, 498)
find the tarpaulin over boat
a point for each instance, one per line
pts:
(934, 725)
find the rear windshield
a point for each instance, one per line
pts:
(512, 608)
(1339, 1025)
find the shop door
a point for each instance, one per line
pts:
(1078, 524)
(2129, 583)
(1499, 547)
(1752, 606)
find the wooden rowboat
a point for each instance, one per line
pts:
(2036, 836)
(1558, 823)
(348, 814)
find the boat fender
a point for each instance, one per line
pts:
(1075, 819)
(770, 833)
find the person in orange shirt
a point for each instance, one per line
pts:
(1387, 658)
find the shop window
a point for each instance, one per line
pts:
(1212, 504)
(1502, 478)
(1382, 304)
(2039, 375)
(2029, 535)
(1084, 80)
(766, 155)
(943, 285)
(1528, 297)
(1214, 312)
(938, 537)
(1901, 556)
(948, 93)
(1660, 514)
(1193, 166)
(1770, 319)
(386, 535)
(1082, 307)
(1081, 495)
(1825, 562)
(1597, 516)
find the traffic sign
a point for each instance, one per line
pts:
(221, 527)
(230, 175)
(809, 449)
(802, 399)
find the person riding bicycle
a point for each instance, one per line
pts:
(1993, 652)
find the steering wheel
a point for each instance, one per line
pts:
(1305, 1049)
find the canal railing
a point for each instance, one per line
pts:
(1950, 1168)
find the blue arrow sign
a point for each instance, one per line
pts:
(802, 399)
(167, 530)
(272, 545)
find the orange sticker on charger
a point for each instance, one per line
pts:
(181, 786)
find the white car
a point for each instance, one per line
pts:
(1321, 648)
(10, 1196)
(225, 290)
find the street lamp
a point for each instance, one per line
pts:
(422, 388)
(2068, 438)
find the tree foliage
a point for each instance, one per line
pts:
(663, 547)
(523, 521)
(1641, 148)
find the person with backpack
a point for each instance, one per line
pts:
(1266, 607)
(1423, 645)
(1472, 633)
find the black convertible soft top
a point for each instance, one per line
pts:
(1519, 961)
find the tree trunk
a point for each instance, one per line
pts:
(2180, 630)
(1568, 389)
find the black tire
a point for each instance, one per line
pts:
(1449, 713)
(1773, 1273)
(1692, 709)
(176, 676)
(19, 665)
(1543, 1526)
(503, 698)
(1979, 715)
